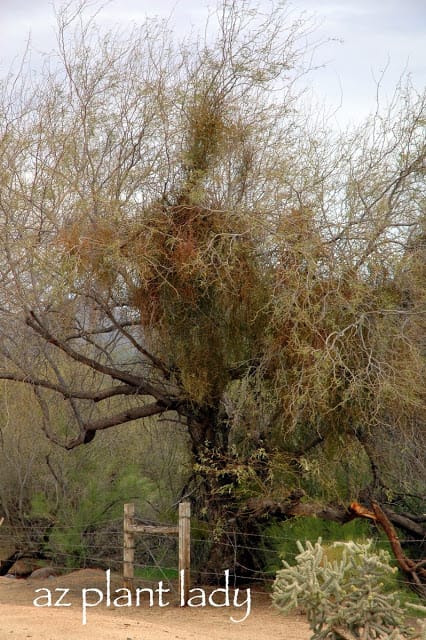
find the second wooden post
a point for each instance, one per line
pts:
(184, 551)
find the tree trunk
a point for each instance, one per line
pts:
(233, 536)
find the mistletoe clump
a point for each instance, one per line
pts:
(345, 597)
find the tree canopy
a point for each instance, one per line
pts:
(182, 237)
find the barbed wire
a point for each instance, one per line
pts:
(91, 555)
(228, 543)
(231, 533)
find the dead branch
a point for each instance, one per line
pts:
(415, 571)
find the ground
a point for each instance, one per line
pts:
(21, 619)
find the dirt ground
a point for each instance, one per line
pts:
(21, 619)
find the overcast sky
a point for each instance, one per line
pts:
(376, 35)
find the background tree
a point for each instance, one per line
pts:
(67, 507)
(181, 238)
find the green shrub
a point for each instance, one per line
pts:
(282, 537)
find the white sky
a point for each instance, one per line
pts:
(376, 34)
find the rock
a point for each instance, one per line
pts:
(23, 568)
(44, 572)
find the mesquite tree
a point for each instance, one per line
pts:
(181, 238)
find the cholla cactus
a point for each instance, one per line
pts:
(344, 598)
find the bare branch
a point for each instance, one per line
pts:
(154, 408)
(139, 383)
(101, 330)
(68, 392)
(121, 328)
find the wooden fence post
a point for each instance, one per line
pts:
(184, 551)
(184, 532)
(129, 546)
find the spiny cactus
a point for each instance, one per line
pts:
(344, 598)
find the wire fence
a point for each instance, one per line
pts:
(83, 545)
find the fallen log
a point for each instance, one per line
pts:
(295, 504)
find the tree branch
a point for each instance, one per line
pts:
(415, 571)
(119, 327)
(96, 396)
(292, 505)
(107, 422)
(403, 521)
(100, 330)
(139, 383)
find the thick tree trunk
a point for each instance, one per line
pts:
(234, 536)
